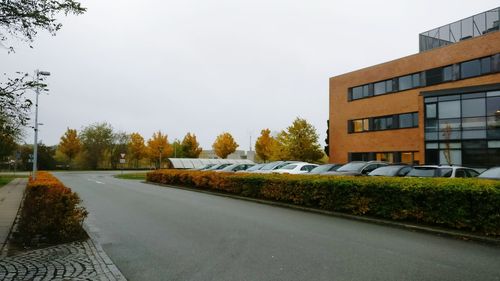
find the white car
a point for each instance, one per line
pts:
(296, 168)
(433, 171)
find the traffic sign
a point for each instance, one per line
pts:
(122, 155)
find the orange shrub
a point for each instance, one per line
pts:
(50, 213)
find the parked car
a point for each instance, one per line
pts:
(492, 174)
(270, 167)
(324, 168)
(296, 168)
(255, 167)
(217, 167)
(357, 168)
(204, 167)
(235, 167)
(391, 171)
(431, 171)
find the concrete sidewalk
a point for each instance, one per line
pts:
(10, 200)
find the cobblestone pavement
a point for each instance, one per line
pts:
(72, 261)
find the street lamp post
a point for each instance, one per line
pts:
(35, 145)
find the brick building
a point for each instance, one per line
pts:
(438, 106)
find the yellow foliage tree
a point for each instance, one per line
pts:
(298, 142)
(279, 147)
(159, 148)
(264, 145)
(190, 146)
(224, 145)
(136, 148)
(70, 144)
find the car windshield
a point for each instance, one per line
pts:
(289, 167)
(386, 171)
(426, 172)
(269, 166)
(491, 173)
(218, 167)
(280, 166)
(322, 168)
(352, 167)
(230, 167)
(255, 167)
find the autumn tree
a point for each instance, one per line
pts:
(302, 141)
(159, 148)
(264, 145)
(136, 148)
(177, 149)
(224, 145)
(190, 146)
(279, 147)
(118, 146)
(96, 140)
(70, 144)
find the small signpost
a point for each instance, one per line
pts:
(122, 160)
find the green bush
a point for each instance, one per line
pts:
(50, 213)
(468, 204)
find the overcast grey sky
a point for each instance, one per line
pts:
(206, 66)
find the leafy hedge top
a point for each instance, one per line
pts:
(471, 204)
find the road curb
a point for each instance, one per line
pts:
(110, 265)
(408, 226)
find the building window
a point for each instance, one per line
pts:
(464, 127)
(408, 120)
(382, 123)
(470, 69)
(447, 73)
(449, 109)
(361, 125)
(429, 77)
(405, 82)
(434, 76)
(385, 156)
(397, 121)
(382, 87)
(430, 110)
(473, 107)
(485, 65)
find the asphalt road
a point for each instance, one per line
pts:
(159, 233)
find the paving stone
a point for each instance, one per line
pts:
(72, 261)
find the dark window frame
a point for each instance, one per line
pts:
(447, 74)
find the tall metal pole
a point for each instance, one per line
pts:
(35, 144)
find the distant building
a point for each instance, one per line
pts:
(437, 106)
(238, 154)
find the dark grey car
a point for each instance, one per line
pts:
(357, 168)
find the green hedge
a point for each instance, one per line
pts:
(467, 204)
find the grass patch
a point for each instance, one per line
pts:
(132, 176)
(5, 179)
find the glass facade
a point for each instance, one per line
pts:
(467, 28)
(463, 129)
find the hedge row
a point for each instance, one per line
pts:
(50, 213)
(467, 204)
